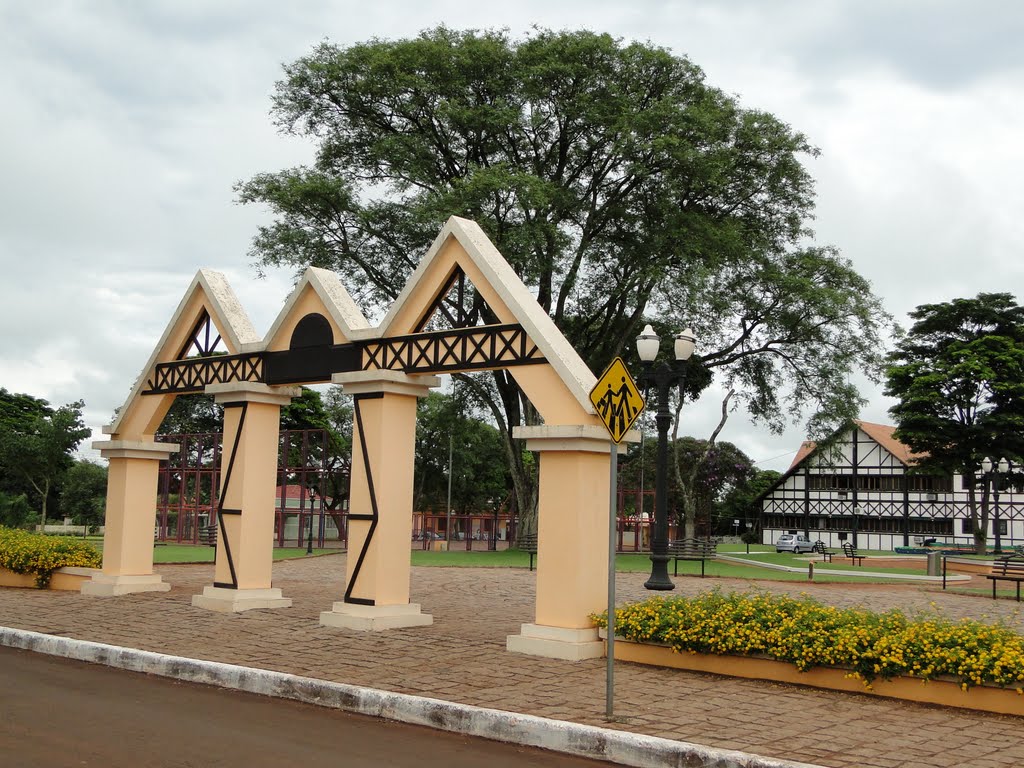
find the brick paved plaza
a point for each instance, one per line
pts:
(462, 658)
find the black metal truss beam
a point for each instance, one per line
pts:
(459, 349)
(462, 349)
(195, 373)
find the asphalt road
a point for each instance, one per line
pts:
(57, 713)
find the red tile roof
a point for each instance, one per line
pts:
(880, 433)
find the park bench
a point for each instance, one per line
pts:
(1010, 568)
(528, 544)
(208, 535)
(850, 551)
(691, 549)
(819, 548)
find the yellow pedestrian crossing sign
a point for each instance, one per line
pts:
(617, 400)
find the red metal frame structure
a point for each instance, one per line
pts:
(301, 465)
(189, 485)
(477, 531)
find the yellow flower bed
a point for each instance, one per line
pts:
(809, 634)
(23, 552)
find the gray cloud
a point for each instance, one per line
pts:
(126, 125)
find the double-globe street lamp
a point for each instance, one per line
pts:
(662, 378)
(994, 483)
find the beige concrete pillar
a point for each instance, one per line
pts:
(572, 541)
(245, 511)
(380, 502)
(130, 519)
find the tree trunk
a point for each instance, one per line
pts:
(46, 494)
(685, 482)
(507, 415)
(981, 527)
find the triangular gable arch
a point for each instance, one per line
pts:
(560, 389)
(318, 291)
(209, 294)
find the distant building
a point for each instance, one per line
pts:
(861, 492)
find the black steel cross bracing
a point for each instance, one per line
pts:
(194, 373)
(373, 516)
(458, 349)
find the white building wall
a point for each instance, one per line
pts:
(874, 509)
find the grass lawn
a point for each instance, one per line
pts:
(838, 563)
(639, 563)
(197, 553)
(1003, 590)
(514, 558)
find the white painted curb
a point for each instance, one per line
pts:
(619, 747)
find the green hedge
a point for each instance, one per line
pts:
(23, 552)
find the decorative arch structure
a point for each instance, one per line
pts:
(321, 336)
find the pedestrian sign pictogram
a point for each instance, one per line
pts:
(617, 399)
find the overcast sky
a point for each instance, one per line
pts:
(125, 125)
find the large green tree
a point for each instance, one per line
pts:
(41, 451)
(190, 414)
(958, 377)
(616, 181)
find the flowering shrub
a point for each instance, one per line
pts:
(23, 552)
(809, 634)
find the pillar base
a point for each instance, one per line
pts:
(556, 642)
(225, 600)
(107, 585)
(373, 618)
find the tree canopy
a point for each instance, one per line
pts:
(452, 441)
(724, 470)
(83, 493)
(621, 187)
(958, 376)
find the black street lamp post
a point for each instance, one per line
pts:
(662, 378)
(994, 480)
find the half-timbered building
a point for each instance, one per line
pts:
(860, 490)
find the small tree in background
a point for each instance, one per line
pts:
(15, 511)
(83, 495)
(450, 439)
(718, 470)
(41, 453)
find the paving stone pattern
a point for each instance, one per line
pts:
(462, 658)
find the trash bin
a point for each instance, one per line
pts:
(934, 563)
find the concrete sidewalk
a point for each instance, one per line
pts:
(462, 658)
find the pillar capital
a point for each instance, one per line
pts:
(251, 392)
(386, 381)
(134, 449)
(588, 438)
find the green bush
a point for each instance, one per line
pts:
(809, 634)
(23, 552)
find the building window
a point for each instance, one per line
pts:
(929, 483)
(966, 526)
(880, 483)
